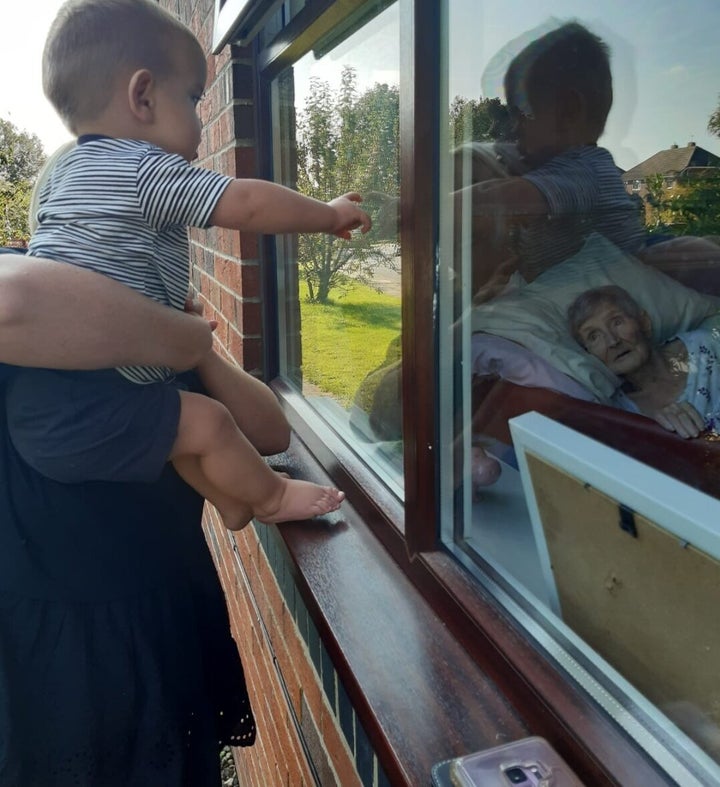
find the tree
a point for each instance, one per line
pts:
(14, 207)
(690, 208)
(658, 216)
(482, 120)
(21, 156)
(347, 142)
(713, 125)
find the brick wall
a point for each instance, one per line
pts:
(226, 270)
(307, 730)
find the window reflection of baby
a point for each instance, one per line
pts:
(559, 93)
(677, 383)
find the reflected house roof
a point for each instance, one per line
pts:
(690, 160)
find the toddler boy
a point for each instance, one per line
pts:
(126, 77)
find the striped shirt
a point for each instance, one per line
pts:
(585, 194)
(122, 207)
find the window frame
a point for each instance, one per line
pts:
(550, 703)
(239, 21)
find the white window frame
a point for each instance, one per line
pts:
(240, 20)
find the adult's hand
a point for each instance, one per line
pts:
(195, 307)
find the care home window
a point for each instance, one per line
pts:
(419, 345)
(530, 523)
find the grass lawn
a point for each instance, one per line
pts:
(346, 338)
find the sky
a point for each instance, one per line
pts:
(664, 59)
(21, 97)
(666, 69)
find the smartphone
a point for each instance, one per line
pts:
(529, 762)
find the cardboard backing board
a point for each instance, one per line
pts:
(642, 597)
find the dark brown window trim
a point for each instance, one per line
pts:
(419, 176)
(469, 673)
(316, 19)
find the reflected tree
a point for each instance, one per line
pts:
(692, 207)
(482, 120)
(713, 125)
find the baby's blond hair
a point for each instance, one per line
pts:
(93, 42)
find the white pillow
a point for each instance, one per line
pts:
(535, 315)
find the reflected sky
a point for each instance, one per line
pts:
(666, 70)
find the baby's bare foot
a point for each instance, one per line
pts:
(300, 500)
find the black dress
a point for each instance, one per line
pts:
(117, 668)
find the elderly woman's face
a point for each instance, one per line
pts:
(620, 341)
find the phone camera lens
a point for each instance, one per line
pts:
(516, 776)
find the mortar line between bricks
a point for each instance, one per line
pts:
(276, 664)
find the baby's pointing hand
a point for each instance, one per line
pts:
(348, 216)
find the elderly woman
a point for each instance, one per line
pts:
(677, 383)
(117, 667)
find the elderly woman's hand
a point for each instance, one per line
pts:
(681, 418)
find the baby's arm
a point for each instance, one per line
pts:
(263, 206)
(64, 317)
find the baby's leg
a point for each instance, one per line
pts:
(235, 514)
(233, 467)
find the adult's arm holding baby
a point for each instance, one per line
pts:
(496, 208)
(64, 317)
(512, 196)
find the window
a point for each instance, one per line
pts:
(335, 130)
(509, 275)
(413, 349)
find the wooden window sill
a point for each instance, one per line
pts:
(432, 665)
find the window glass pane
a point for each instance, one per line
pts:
(278, 19)
(335, 125)
(562, 178)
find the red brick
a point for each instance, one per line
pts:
(251, 280)
(230, 274)
(235, 347)
(244, 160)
(252, 355)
